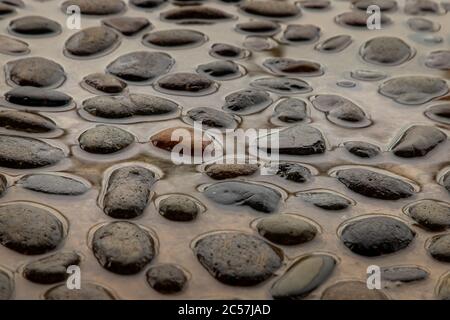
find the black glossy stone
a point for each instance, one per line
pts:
(294, 172)
(417, 141)
(362, 149)
(37, 97)
(290, 110)
(247, 101)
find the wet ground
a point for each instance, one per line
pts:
(378, 111)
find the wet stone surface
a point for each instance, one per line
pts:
(97, 7)
(335, 44)
(258, 27)
(178, 208)
(417, 141)
(362, 149)
(439, 113)
(34, 26)
(358, 19)
(282, 85)
(352, 290)
(290, 110)
(423, 25)
(326, 200)
(6, 286)
(37, 97)
(288, 66)
(12, 46)
(438, 60)
(166, 278)
(187, 84)
(237, 259)
(53, 184)
(104, 82)
(192, 14)
(230, 171)
(220, 70)
(128, 26)
(270, 9)
(92, 41)
(25, 122)
(439, 247)
(211, 118)
(301, 33)
(247, 101)
(88, 291)
(403, 274)
(386, 51)
(105, 139)
(227, 51)
(174, 38)
(294, 172)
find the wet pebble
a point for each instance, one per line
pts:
(282, 85)
(438, 60)
(14, 3)
(196, 14)
(170, 138)
(51, 269)
(376, 235)
(97, 7)
(147, 4)
(27, 153)
(420, 7)
(128, 26)
(35, 72)
(92, 41)
(184, 83)
(261, 43)
(286, 229)
(384, 5)
(141, 66)
(413, 90)
(247, 101)
(108, 107)
(227, 51)
(3, 184)
(6, 10)
(446, 181)
(255, 196)
(104, 139)
(368, 75)
(87, 291)
(34, 26)
(358, 19)
(104, 82)
(178, 208)
(362, 149)
(304, 276)
(290, 110)
(166, 278)
(37, 97)
(374, 184)
(123, 247)
(11, 46)
(299, 33)
(128, 191)
(334, 44)
(403, 274)
(439, 247)
(290, 66)
(423, 25)
(271, 9)
(417, 141)
(220, 70)
(29, 229)
(443, 287)
(53, 184)
(324, 199)
(389, 51)
(230, 171)
(352, 290)
(211, 118)
(236, 258)
(6, 286)
(439, 113)
(174, 38)
(294, 172)
(298, 140)
(26, 122)
(149, 105)
(259, 27)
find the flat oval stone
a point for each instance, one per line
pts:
(303, 277)
(220, 70)
(187, 84)
(6, 10)
(290, 110)
(439, 113)
(196, 14)
(123, 247)
(368, 75)
(255, 196)
(376, 235)
(34, 26)
(315, 4)
(104, 82)
(166, 278)
(290, 66)
(27, 153)
(28, 229)
(352, 290)
(128, 192)
(438, 60)
(230, 171)
(26, 122)
(299, 33)
(53, 184)
(148, 105)
(211, 118)
(271, 9)
(298, 140)
(141, 66)
(334, 44)
(147, 4)
(384, 5)
(6, 286)
(443, 287)
(227, 51)
(37, 97)
(286, 229)
(420, 7)
(92, 41)
(247, 101)
(258, 27)
(362, 149)
(374, 184)
(326, 200)
(35, 72)
(417, 141)
(128, 26)
(51, 269)
(11, 46)
(108, 107)
(104, 139)
(97, 7)
(423, 25)
(389, 51)
(87, 291)
(358, 19)
(294, 172)
(439, 247)
(174, 38)
(237, 259)
(170, 138)
(403, 274)
(413, 90)
(282, 85)
(178, 208)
